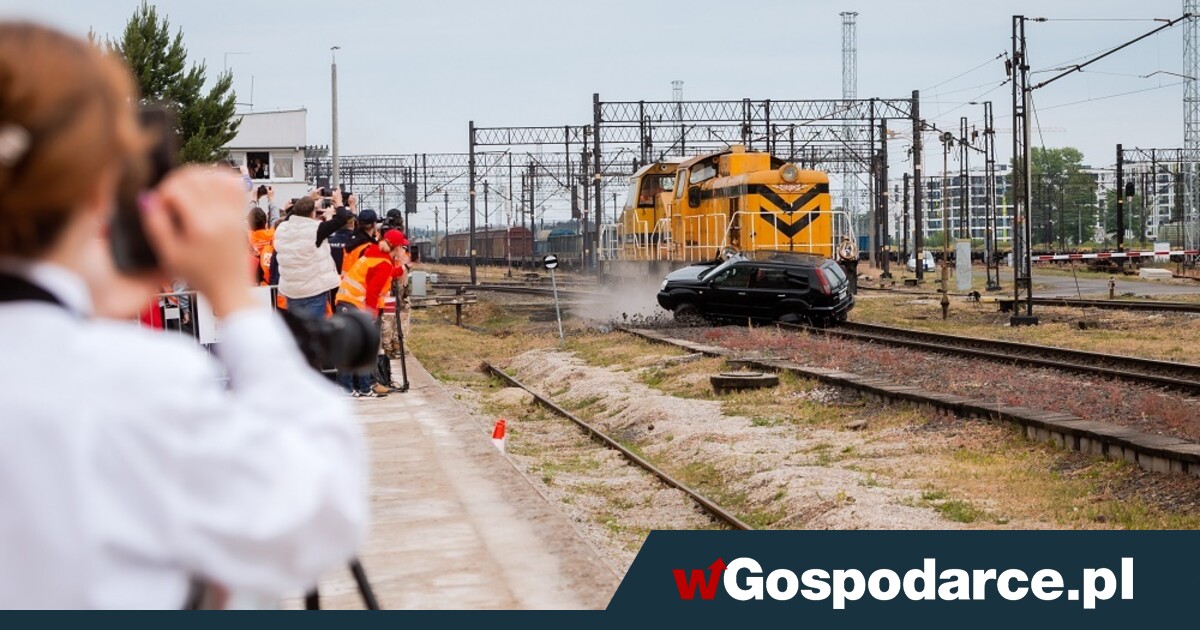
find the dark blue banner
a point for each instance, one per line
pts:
(980, 578)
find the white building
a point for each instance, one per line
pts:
(931, 206)
(271, 146)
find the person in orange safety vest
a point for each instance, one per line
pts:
(365, 287)
(262, 245)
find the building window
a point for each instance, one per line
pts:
(281, 165)
(258, 163)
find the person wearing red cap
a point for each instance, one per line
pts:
(363, 287)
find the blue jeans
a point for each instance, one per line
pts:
(353, 381)
(312, 306)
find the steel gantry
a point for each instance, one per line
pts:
(586, 164)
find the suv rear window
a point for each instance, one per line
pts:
(834, 274)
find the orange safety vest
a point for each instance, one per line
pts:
(353, 289)
(263, 244)
(349, 257)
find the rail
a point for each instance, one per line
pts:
(1153, 452)
(705, 503)
(1184, 377)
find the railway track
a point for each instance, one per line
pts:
(1129, 305)
(712, 509)
(570, 294)
(1006, 301)
(1159, 453)
(1183, 377)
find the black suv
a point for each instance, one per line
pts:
(794, 288)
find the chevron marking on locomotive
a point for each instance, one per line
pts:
(790, 230)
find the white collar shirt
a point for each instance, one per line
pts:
(127, 469)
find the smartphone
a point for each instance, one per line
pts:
(131, 250)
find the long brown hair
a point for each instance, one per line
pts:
(70, 109)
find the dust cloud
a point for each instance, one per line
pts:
(626, 300)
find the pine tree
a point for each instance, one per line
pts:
(206, 121)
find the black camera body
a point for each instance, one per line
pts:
(344, 341)
(130, 248)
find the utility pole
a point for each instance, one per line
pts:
(1120, 198)
(1022, 186)
(446, 217)
(947, 142)
(1021, 90)
(471, 202)
(532, 225)
(964, 186)
(597, 170)
(919, 179)
(521, 212)
(486, 222)
(881, 215)
(991, 264)
(441, 251)
(904, 228)
(334, 177)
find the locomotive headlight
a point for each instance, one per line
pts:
(789, 173)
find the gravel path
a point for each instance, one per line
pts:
(790, 471)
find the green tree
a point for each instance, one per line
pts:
(206, 120)
(1063, 207)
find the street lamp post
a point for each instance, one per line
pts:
(333, 180)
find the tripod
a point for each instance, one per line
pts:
(400, 332)
(312, 600)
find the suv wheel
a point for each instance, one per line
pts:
(688, 314)
(795, 317)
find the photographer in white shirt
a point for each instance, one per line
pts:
(145, 474)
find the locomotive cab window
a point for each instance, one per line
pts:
(651, 186)
(702, 172)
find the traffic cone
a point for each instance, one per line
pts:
(498, 435)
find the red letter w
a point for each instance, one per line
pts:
(708, 589)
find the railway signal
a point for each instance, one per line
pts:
(551, 263)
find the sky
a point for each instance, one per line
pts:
(411, 74)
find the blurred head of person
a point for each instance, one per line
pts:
(304, 207)
(68, 131)
(257, 219)
(368, 220)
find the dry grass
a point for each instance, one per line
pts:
(1166, 336)
(976, 473)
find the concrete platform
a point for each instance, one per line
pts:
(454, 525)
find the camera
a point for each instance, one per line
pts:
(131, 251)
(345, 341)
(394, 219)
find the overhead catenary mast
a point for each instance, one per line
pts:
(1191, 124)
(850, 191)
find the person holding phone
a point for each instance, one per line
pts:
(307, 273)
(149, 475)
(264, 198)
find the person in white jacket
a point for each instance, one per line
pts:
(147, 475)
(307, 272)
